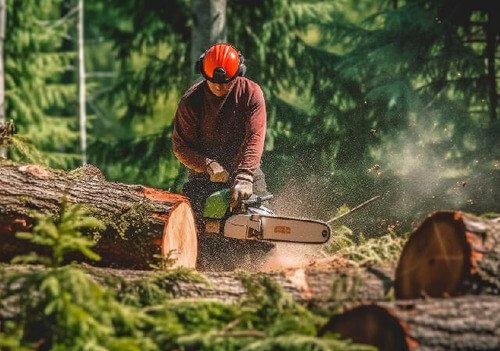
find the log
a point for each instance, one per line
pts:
(461, 323)
(320, 288)
(141, 222)
(450, 254)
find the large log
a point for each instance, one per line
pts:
(449, 254)
(461, 323)
(321, 288)
(141, 222)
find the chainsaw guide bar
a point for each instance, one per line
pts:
(275, 228)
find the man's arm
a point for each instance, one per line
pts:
(251, 151)
(255, 133)
(184, 137)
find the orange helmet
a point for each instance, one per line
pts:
(221, 63)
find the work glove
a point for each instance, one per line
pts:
(217, 173)
(241, 190)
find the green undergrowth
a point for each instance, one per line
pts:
(60, 307)
(382, 250)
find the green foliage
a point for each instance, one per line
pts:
(22, 149)
(301, 342)
(243, 341)
(39, 96)
(61, 236)
(155, 289)
(273, 311)
(384, 249)
(71, 311)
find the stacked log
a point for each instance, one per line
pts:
(449, 254)
(141, 222)
(453, 261)
(461, 323)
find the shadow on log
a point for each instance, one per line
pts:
(450, 254)
(141, 222)
(462, 323)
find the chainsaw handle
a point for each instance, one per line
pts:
(254, 199)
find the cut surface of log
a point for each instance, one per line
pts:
(141, 222)
(461, 323)
(450, 253)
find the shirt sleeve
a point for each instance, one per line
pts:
(184, 139)
(255, 133)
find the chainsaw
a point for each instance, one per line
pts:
(254, 221)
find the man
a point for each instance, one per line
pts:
(219, 130)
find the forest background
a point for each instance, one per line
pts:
(393, 98)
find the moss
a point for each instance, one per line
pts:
(132, 220)
(151, 290)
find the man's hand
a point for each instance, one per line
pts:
(217, 173)
(241, 190)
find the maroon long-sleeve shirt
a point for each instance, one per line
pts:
(229, 129)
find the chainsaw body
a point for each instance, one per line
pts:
(254, 221)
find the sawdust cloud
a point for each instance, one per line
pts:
(417, 170)
(289, 255)
(426, 171)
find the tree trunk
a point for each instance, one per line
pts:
(491, 42)
(82, 111)
(463, 323)
(209, 26)
(450, 253)
(141, 222)
(3, 18)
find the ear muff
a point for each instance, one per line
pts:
(220, 73)
(242, 69)
(198, 66)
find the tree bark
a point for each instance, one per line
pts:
(450, 253)
(321, 288)
(324, 289)
(141, 222)
(462, 323)
(209, 26)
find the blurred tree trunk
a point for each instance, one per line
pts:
(3, 17)
(81, 85)
(209, 26)
(490, 57)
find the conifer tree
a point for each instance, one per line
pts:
(39, 98)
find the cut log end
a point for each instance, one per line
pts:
(435, 259)
(179, 237)
(141, 223)
(369, 324)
